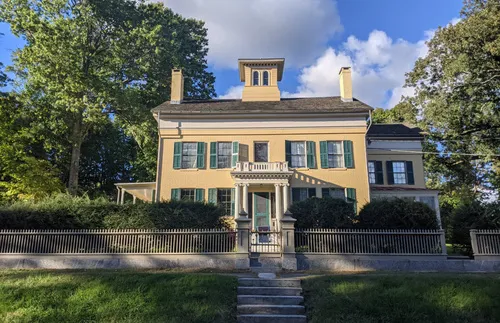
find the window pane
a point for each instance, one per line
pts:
(265, 78)
(260, 149)
(255, 78)
(371, 178)
(298, 147)
(398, 167)
(298, 150)
(335, 158)
(189, 154)
(187, 194)
(334, 147)
(224, 151)
(224, 200)
(399, 178)
(371, 173)
(298, 161)
(336, 193)
(334, 161)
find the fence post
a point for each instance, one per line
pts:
(442, 237)
(289, 261)
(243, 240)
(473, 241)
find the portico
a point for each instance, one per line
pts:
(267, 183)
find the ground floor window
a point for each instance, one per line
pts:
(302, 193)
(224, 200)
(187, 194)
(337, 193)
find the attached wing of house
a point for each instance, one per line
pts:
(263, 152)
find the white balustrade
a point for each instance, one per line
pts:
(260, 167)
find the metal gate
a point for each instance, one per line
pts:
(265, 242)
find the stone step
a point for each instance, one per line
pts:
(266, 318)
(271, 309)
(269, 300)
(265, 269)
(258, 282)
(285, 291)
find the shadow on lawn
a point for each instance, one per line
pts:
(403, 298)
(108, 296)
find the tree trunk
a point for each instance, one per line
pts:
(74, 167)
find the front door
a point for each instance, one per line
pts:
(261, 205)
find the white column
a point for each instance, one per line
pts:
(245, 197)
(122, 196)
(118, 196)
(133, 199)
(279, 203)
(286, 199)
(236, 200)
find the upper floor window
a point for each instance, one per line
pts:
(255, 78)
(375, 172)
(265, 78)
(335, 156)
(371, 172)
(399, 172)
(224, 153)
(298, 154)
(189, 154)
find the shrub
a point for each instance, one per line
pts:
(65, 212)
(472, 215)
(397, 214)
(323, 213)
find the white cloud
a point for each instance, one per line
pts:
(234, 92)
(378, 65)
(295, 29)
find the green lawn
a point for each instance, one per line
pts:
(403, 298)
(116, 296)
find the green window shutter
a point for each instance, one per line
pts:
(200, 158)
(323, 153)
(390, 172)
(177, 154)
(409, 173)
(212, 195)
(236, 153)
(351, 198)
(348, 154)
(288, 152)
(232, 201)
(311, 154)
(175, 194)
(213, 155)
(325, 192)
(311, 192)
(199, 194)
(379, 173)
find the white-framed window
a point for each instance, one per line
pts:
(302, 193)
(189, 154)
(298, 156)
(371, 173)
(265, 78)
(224, 153)
(255, 78)
(399, 170)
(335, 154)
(187, 194)
(224, 200)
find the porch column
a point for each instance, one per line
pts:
(286, 199)
(133, 199)
(277, 188)
(236, 200)
(118, 196)
(245, 197)
(122, 196)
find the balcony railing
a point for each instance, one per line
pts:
(261, 167)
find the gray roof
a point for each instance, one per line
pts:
(285, 105)
(394, 130)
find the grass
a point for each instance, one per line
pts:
(403, 298)
(116, 296)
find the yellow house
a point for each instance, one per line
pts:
(263, 152)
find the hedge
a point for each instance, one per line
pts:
(397, 214)
(327, 212)
(81, 213)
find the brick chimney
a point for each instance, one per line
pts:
(177, 87)
(345, 84)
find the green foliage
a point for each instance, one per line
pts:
(472, 215)
(401, 113)
(116, 296)
(323, 213)
(397, 214)
(88, 61)
(456, 86)
(65, 212)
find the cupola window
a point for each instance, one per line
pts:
(265, 78)
(255, 78)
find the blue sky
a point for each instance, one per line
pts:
(380, 39)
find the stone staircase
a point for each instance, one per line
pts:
(270, 300)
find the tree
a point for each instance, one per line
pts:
(456, 86)
(88, 60)
(403, 112)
